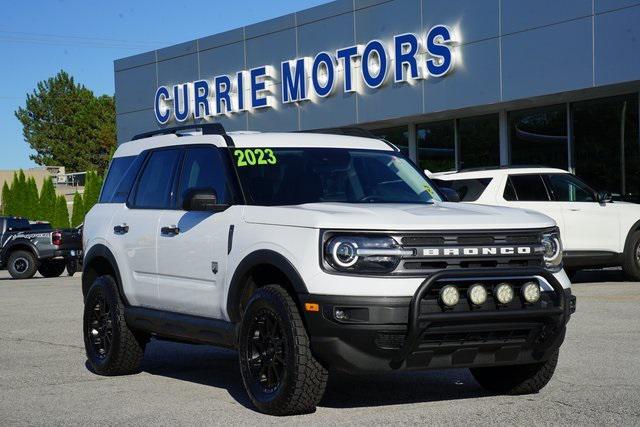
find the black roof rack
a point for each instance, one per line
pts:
(493, 168)
(206, 128)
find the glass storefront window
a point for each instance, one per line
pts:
(539, 136)
(436, 146)
(607, 145)
(398, 136)
(479, 141)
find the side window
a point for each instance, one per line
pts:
(567, 188)
(17, 224)
(528, 188)
(154, 188)
(469, 190)
(203, 168)
(509, 191)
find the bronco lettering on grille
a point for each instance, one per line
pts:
(469, 251)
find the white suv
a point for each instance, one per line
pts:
(596, 231)
(310, 252)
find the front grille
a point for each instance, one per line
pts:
(421, 264)
(514, 336)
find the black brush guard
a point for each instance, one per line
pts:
(419, 323)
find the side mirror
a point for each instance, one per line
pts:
(202, 199)
(450, 194)
(604, 197)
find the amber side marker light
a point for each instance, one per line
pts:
(311, 306)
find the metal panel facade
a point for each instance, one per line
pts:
(509, 50)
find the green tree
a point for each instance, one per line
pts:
(66, 124)
(92, 186)
(77, 215)
(32, 200)
(61, 213)
(47, 201)
(19, 195)
(6, 199)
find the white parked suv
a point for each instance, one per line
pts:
(596, 231)
(313, 252)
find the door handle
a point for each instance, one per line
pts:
(170, 231)
(121, 229)
(575, 209)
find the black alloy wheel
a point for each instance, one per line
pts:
(100, 328)
(266, 351)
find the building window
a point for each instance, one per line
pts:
(539, 136)
(436, 146)
(606, 143)
(479, 141)
(398, 136)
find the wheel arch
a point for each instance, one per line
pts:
(99, 261)
(261, 268)
(18, 245)
(635, 227)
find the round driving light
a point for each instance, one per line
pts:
(345, 254)
(477, 294)
(449, 295)
(531, 292)
(341, 314)
(504, 293)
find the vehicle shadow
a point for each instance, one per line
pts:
(592, 276)
(219, 368)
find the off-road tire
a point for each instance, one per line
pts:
(52, 268)
(631, 263)
(126, 348)
(303, 378)
(517, 379)
(22, 265)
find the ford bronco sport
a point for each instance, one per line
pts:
(309, 253)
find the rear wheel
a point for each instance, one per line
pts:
(112, 348)
(517, 379)
(22, 265)
(278, 370)
(631, 265)
(52, 268)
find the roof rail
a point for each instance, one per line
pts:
(207, 129)
(492, 168)
(351, 131)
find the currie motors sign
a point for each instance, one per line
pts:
(409, 58)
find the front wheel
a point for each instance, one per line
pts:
(279, 373)
(517, 379)
(52, 268)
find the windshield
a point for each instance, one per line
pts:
(292, 176)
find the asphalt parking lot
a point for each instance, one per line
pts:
(43, 378)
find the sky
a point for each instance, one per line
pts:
(38, 38)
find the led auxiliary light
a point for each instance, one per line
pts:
(449, 295)
(504, 293)
(477, 294)
(531, 292)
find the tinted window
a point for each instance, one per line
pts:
(567, 188)
(479, 141)
(469, 190)
(539, 136)
(122, 173)
(295, 176)
(398, 136)
(528, 188)
(203, 168)
(155, 184)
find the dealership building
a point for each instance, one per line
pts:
(454, 84)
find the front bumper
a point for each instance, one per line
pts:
(389, 333)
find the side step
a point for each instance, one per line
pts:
(183, 327)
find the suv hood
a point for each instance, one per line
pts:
(383, 216)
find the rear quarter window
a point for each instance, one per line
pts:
(469, 190)
(122, 173)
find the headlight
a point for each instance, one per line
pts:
(552, 250)
(363, 254)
